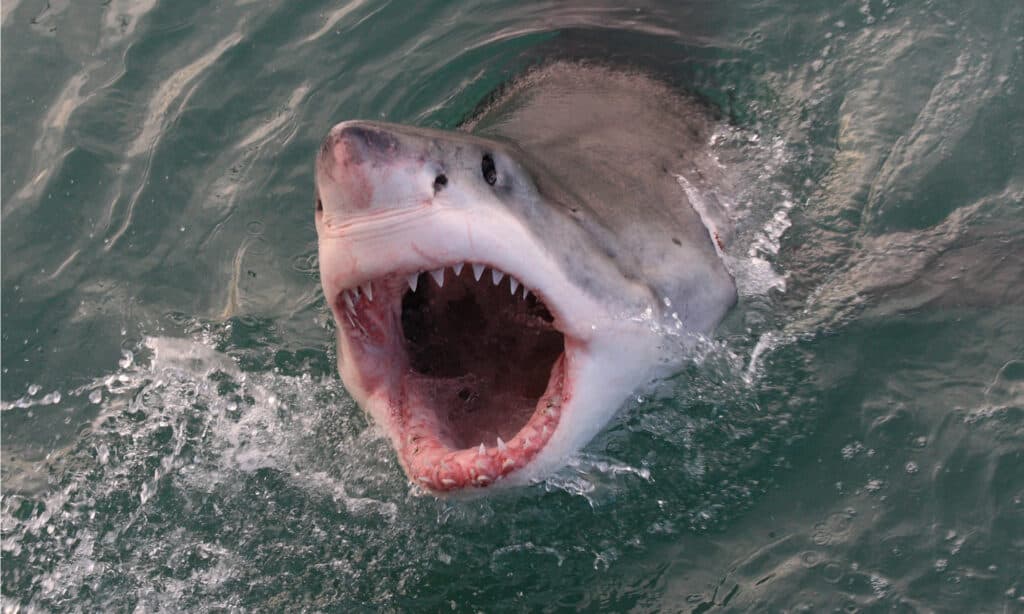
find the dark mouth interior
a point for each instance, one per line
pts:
(481, 355)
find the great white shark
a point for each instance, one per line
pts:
(500, 291)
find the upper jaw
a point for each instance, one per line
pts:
(427, 239)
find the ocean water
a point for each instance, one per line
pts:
(174, 434)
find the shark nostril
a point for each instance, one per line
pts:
(440, 182)
(319, 205)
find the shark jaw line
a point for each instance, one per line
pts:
(464, 366)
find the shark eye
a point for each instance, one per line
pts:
(440, 181)
(487, 168)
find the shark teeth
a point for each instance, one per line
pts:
(353, 295)
(497, 275)
(438, 275)
(364, 292)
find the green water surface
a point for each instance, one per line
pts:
(174, 433)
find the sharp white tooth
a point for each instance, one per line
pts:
(438, 275)
(501, 445)
(348, 299)
(513, 284)
(413, 280)
(508, 464)
(368, 290)
(482, 450)
(478, 270)
(496, 276)
(448, 481)
(355, 294)
(458, 268)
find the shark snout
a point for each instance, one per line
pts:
(364, 168)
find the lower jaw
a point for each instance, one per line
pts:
(436, 466)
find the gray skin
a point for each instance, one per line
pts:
(605, 147)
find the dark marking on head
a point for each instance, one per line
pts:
(488, 170)
(360, 144)
(677, 241)
(375, 141)
(440, 182)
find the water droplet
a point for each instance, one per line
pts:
(832, 572)
(811, 558)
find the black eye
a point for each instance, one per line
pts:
(488, 170)
(440, 181)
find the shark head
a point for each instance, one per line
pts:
(482, 325)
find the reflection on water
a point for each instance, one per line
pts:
(175, 437)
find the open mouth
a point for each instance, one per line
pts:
(470, 364)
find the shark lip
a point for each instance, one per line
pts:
(467, 365)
